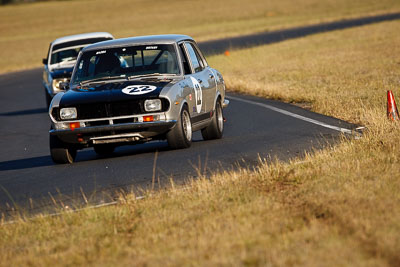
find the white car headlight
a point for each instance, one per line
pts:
(68, 113)
(152, 105)
(56, 84)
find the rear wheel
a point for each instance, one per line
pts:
(215, 129)
(181, 135)
(61, 152)
(104, 150)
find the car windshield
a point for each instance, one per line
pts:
(128, 62)
(65, 55)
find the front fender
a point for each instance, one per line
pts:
(55, 102)
(178, 95)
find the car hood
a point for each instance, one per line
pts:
(112, 92)
(62, 72)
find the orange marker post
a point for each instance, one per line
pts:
(392, 111)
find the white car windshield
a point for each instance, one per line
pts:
(65, 55)
(129, 62)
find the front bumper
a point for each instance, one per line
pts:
(126, 132)
(225, 104)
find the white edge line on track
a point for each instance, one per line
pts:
(73, 210)
(294, 115)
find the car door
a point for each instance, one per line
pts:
(202, 79)
(46, 74)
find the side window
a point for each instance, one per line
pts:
(194, 58)
(199, 57)
(185, 61)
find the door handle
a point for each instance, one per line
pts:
(200, 80)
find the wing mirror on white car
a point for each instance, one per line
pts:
(64, 86)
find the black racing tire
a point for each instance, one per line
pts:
(215, 129)
(180, 136)
(104, 150)
(61, 152)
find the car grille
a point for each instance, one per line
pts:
(107, 110)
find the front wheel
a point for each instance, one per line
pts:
(215, 129)
(60, 152)
(181, 135)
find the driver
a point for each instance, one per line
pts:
(108, 63)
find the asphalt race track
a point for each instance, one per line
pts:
(269, 37)
(255, 128)
(29, 179)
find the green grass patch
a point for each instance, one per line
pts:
(26, 30)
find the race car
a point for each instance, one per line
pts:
(134, 90)
(61, 58)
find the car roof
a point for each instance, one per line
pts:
(149, 39)
(82, 36)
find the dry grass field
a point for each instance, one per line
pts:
(337, 207)
(342, 74)
(26, 30)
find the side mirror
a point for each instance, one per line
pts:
(64, 86)
(44, 61)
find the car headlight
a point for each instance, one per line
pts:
(152, 105)
(56, 84)
(68, 113)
